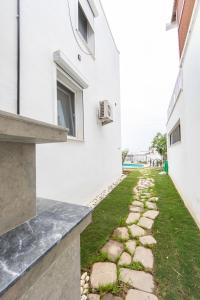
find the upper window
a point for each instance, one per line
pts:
(85, 26)
(66, 108)
(175, 135)
(82, 23)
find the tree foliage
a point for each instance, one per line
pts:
(124, 154)
(160, 144)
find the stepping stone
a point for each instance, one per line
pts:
(145, 223)
(139, 295)
(131, 245)
(125, 259)
(137, 203)
(147, 240)
(103, 273)
(111, 297)
(132, 218)
(151, 205)
(144, 256)
(113, 250)
(151, 214)
(93, 297)
(136, 209)
(135, 190)
(154, 199)
(136, 230)
(137, 279)
(121, 233)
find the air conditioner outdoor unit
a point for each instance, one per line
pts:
(105, 112)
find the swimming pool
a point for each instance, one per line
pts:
(132, 166)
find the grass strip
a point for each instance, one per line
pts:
(108, 215)
(177, 254)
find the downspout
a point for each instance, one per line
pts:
(18, 57)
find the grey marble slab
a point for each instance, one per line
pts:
(23, 246)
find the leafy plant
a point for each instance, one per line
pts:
(124, 155)
(159, 143)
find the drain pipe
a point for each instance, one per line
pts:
(18, 57)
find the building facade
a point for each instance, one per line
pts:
(183, 114)
(58, 62)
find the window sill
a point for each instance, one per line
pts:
(74, 139)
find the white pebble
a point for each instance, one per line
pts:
(84, 297)
(84, 275)
(87, 278)
(82, 282)
(86, 286)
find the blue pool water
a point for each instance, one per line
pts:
(133, 166)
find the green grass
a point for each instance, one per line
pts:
(108, 215)
(177, 254)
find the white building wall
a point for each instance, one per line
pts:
(184, 162)
(75, 171)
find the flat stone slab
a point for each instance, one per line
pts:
(125, 259)
(144, 256)
(111, 297)
(136, 209)
(153, 199)
(113, 250)
(137, 203)
(132, 218)
(137, 279)
(103, 273)
(121, 233)
(151, 205)
(131, 246)
(93, 297)
(139, 295)
(145, 223)
(147, 240)
(151, 214)
(136, 230)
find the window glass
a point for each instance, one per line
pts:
(175, 135)
(66, 108)
(82, 23)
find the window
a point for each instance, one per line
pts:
(66, 108)
(175, 135)
(85, 26)
(70, 109)
(82, 23)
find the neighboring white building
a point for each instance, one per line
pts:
(183, 125)
(68, 63)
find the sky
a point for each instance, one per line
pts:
(148, 66)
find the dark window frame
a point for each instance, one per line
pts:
(175, 134)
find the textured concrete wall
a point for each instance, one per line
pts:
(17, 184)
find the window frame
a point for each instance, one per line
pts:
(66, 90)
(63, 78)
(90, 43)
(177, 125)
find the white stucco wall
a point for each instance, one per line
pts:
(184, 162)
(75, 171)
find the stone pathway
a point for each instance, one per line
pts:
(129, 256)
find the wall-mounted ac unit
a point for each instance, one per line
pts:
(105, 112)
